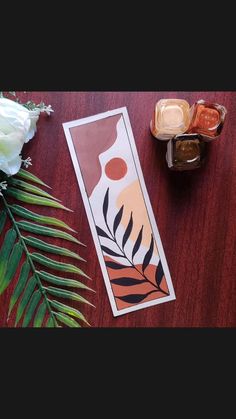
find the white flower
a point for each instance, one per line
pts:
(3, 186)
(27, 162)
(45, 108)
(17, 126)
(48, 109)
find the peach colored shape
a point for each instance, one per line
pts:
(132, 199)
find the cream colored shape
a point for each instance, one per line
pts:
(172, 116)
(132, 199)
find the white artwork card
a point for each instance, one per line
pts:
(119, 211)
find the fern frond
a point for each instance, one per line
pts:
(37, 293)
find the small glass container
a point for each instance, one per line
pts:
(171, 117)
(185, 152)
(207, 119)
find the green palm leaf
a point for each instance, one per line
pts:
(25, 299)
(68, 310)
(58, 280)
(12, 266)
(46, 231)
(67, 320)
(50, 248)
(39, 317)
(31, 307)
(33, 199)
(42, 219)
(25, 270)
(50, 322)
(53, 264)
(3, 219)
(5, 251)
(29, 176)
(30, 296)
(30, 188)
(58, 292)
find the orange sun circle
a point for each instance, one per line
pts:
(116, 168)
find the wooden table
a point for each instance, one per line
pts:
(195, 211)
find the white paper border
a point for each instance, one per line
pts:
(71, 124)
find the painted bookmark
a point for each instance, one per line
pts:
(119, 212)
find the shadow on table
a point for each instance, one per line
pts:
(180, 184)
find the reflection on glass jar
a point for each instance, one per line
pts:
(171, 117)
(207, 119)
(185, 152)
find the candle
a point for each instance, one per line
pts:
(185, 152)
(207, 119)
(171, 117)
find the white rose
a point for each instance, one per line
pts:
(17, 126)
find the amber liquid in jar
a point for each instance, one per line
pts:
(207, 119)
(185, 152)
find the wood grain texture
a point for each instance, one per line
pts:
(195, 211)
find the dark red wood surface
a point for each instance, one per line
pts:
(195, 211)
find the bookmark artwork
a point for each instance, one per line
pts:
(119, 212)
